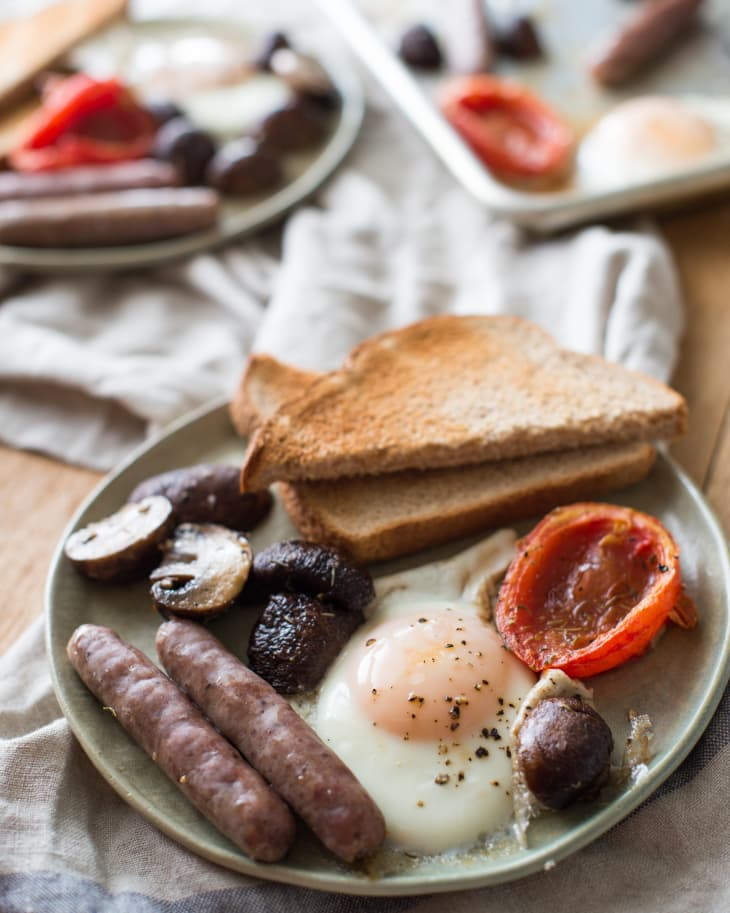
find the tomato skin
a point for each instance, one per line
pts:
(513, 131)
(640, 544)
(84, 121)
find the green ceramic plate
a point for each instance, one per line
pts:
(678, 684)
(305, 171)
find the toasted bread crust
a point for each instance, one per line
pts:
(266, 384)
(383, 517)
(456, 391)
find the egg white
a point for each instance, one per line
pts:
(649, 137)
(450, 789)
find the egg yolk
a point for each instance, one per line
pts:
(424, 677)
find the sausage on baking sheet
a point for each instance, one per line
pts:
(167, 725)
(87, 179)
(274, 739)
(104, 219)
(646, 34)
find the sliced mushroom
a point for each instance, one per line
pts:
(204, 568)
(125, 545)
(303, 74)
(314, 570)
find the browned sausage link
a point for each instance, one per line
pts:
(87, 179)
(647, 33)
(103, 219)
(163, 721)
(271, 735)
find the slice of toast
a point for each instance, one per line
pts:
(33, 43)
(455, 391)
(381, 517)
(265, 385)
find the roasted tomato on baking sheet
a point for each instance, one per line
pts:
(512, 131)
(591, 586)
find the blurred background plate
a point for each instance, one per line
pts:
(111, 51)
(697, 69)
(679, 683)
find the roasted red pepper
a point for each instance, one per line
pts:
(512, 131)
(84, 121)
(591, 586)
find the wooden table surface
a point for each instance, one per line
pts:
(38, 495)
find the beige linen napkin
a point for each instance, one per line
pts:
(90, 365)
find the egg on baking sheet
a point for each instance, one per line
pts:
(648, 137)
(421, 702)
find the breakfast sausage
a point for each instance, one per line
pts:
(647, 33)
(274, 739)
(87, 179)
(165, 723)
(103, 219)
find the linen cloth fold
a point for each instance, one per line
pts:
(89, 366)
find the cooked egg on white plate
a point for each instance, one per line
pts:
(650, 137)
(421, 702)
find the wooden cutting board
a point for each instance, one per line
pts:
(31, 44)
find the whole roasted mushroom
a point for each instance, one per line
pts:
(564, 751)
(204, 569)
(295, 566)
(208, 493)
(125, 545)
(296, 639)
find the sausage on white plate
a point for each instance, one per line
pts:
(87, 179)
(106, 219)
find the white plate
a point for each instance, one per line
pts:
(307, 171)
(679, 683)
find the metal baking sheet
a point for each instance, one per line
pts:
(697, 70)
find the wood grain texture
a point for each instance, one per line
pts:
(699, 241)
(38, 497)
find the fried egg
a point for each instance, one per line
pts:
(645, 138)
(421, 701)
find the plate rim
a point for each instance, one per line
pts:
(511, 868)
(271, 209)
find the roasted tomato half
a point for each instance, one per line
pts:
(512, 131)
(591, 586)
(84, 121)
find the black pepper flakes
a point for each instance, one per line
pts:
(482, 752)
(441, 779)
